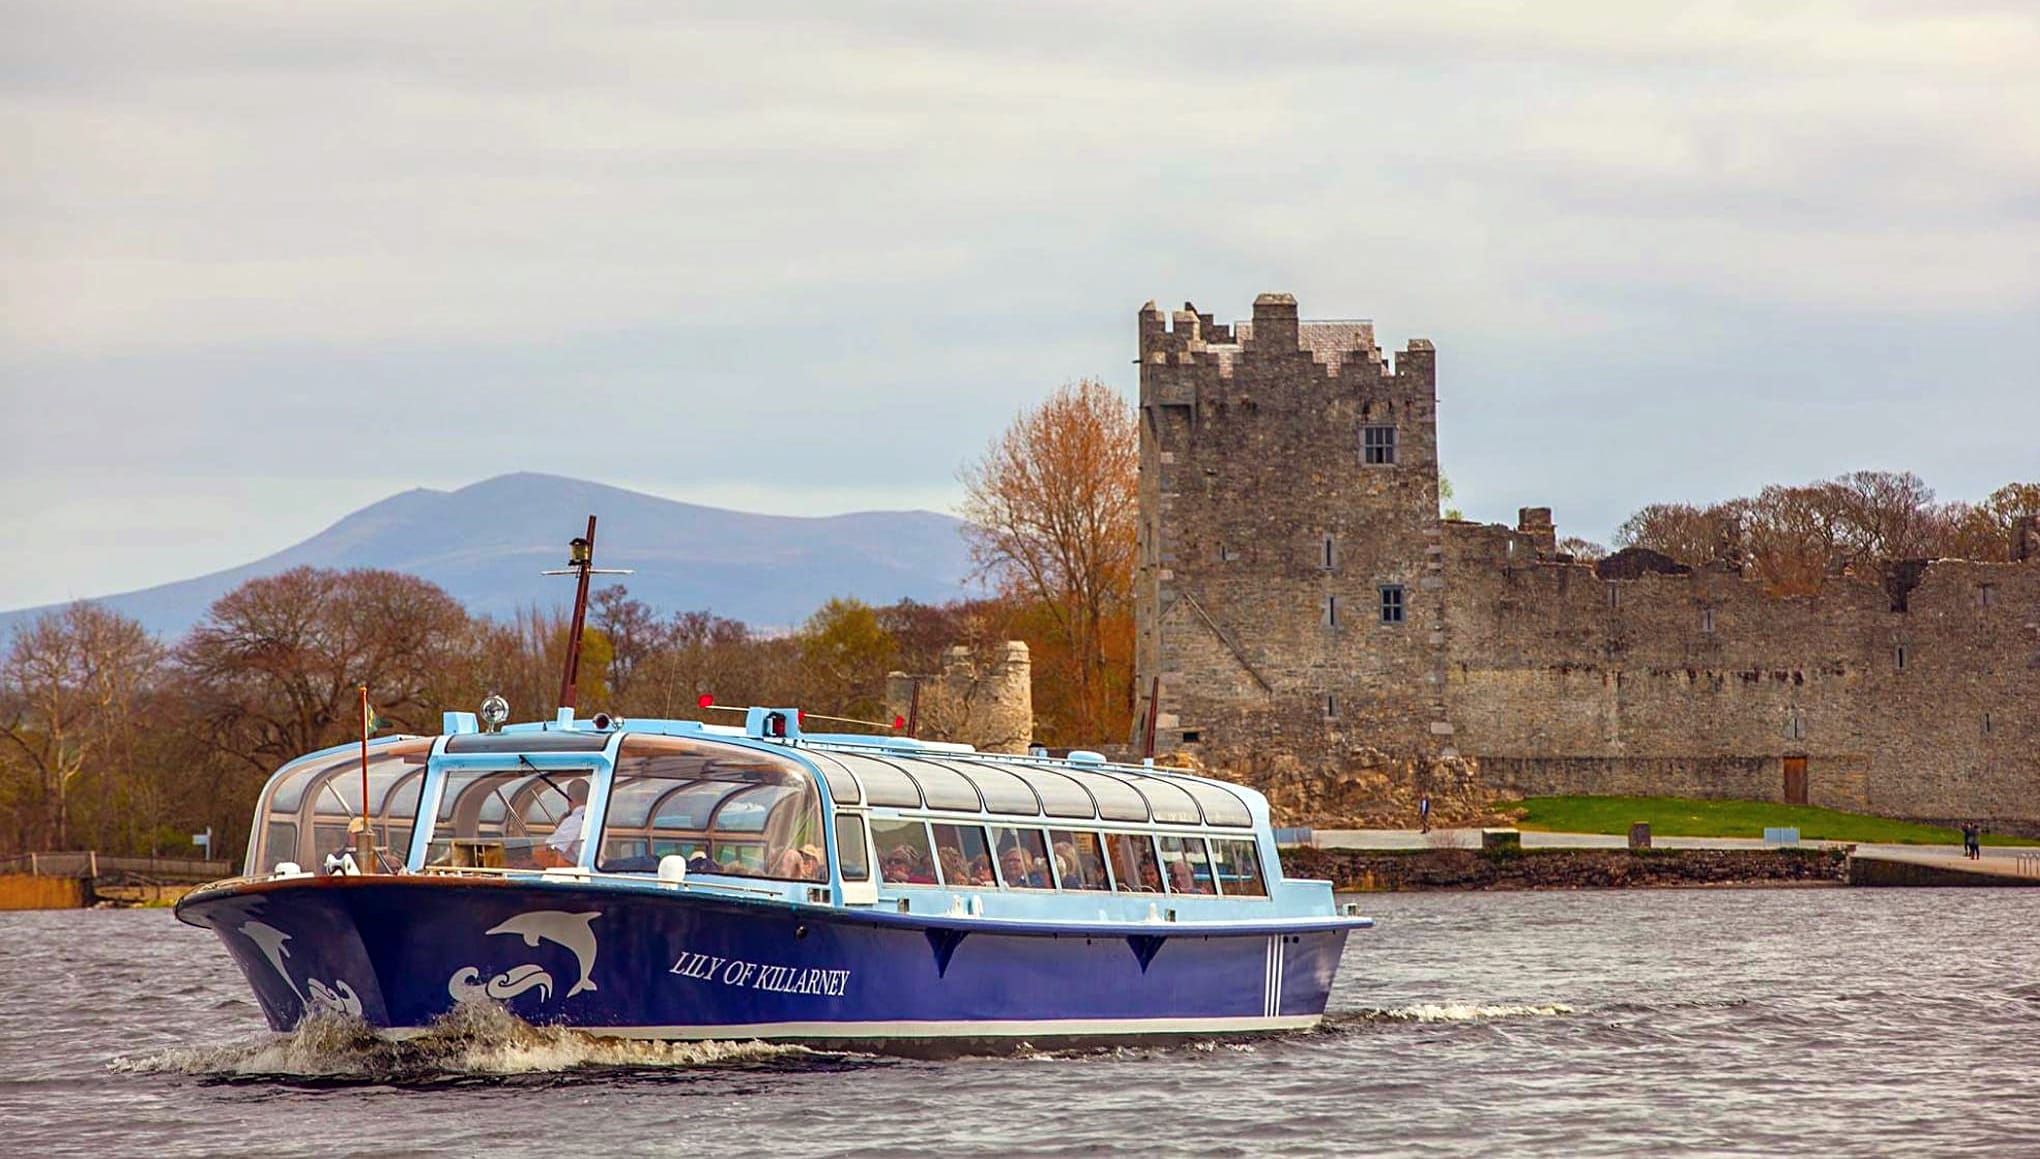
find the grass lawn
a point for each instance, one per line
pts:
(1685, 817)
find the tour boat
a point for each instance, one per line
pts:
(674, 879)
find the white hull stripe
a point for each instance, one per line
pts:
(1016, 1028)
(1271, 980)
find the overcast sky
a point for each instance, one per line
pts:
(266, 263)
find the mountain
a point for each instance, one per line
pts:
(487, 543)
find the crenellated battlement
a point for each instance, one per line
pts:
(1276, 337)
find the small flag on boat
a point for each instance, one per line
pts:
(371, 720)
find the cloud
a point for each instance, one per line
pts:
(827, 249)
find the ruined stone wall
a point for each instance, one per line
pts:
(982, 697)
(1266, 539)
(1702, 685)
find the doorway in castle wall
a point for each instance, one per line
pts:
(1795, 780)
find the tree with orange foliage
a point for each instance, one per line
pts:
(1052, 507)
(1795, 538)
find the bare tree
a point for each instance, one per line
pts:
(633, 631)
(1689, 534)
(75, 681)
(275, 663)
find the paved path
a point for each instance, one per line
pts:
(1996, 859)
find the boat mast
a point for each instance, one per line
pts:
(581, 565)
(364, 840)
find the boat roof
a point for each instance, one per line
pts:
(1126, 792)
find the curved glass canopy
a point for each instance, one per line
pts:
(308, 807)
(964, 782)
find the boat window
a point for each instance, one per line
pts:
(1187, 867)
(944, 788)
(1221, 805)
(1022, 857)
(1116, 799)
(279, 841)
(1079, 859)
(289, 790)
(727, 810)
(1060, 796)
(884, 784)
(903, 852)
(1133, 862)
(964, 855)
(311, 808)
(852, 857)
(842, 786)
(1239, 868)
(1172, 805)
(1002, 790)
(506, 818)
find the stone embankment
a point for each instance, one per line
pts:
(1467, 869)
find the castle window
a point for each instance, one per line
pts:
(1986, 595)
(1377, 446)
(1331, 611)
(1898, 654)
(1190, 736)
(1795, 725)
(1986, 724)
(1707, 619)
(1614, 595)
(1331, 555)
(1391, 603)
(1227, 554)
(1331, 706)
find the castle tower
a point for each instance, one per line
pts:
(1290, 592)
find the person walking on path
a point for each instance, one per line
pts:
(1972, 841)
(1424, 813)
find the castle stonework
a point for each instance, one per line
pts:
(1300, 601)
(982, 697)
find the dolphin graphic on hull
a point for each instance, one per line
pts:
(270, 941)
(574, 931)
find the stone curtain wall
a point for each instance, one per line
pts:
(1511, 667)
(982, 698)
(1701, 685)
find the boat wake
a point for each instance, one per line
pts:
(477, 1041)
(1445, 1012)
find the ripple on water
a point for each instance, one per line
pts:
(477, 1040)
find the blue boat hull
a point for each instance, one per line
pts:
(401, 952)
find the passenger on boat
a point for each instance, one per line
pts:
(1066, 862)
(564, 846)
(1020, 869)
(906, 866)
(802, 864)
(981, 870)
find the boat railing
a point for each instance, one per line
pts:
(579, 873)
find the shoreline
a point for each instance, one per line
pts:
(1471, 870)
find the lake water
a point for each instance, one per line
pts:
(1829, 1021)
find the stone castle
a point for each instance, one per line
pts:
(1306, 617)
